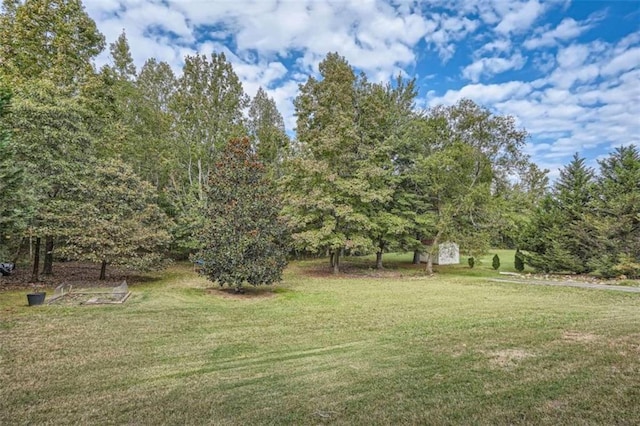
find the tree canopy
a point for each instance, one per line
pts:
(590, 222)
(244, 239)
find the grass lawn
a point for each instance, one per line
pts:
(366, 348)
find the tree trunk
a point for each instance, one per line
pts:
(48, 255)
(200, 180)
(36, 262)
(103, 270)
(379, 260)
(429, 268)
(336, 262)
(21, 247)
(416, 257)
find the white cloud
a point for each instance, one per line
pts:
(568, 29)
(627, 60)
(484, 94)
(572, 56)
(591, 100)
(498, 46)
(519, 17)
(258, 75)
(580, 94)
(450, 29)
(488, 67)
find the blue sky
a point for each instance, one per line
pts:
(568, 71)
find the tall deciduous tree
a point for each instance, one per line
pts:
(52, 39)
(47, 52)
(464, 154)
(207, 109)
(123, 64)
(455, 182)
(117, 105)
(208, 106)
(332, 181)
(244, 239)
(118, 221)
(155, 85)
(267, 132)
(14, 197)
(54, 145)
(384, 113)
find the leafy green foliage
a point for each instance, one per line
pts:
(452, 160)
(495, 262)
(471, 262)
(47, 49)
(384, 114)
(122, 61)
(266, 129)
(331, 186)
(244, 238)
(14, 197)
(208, 106)
(515, 204)
(54, 145)
(118, 220)
(51, 39)
(207, 111)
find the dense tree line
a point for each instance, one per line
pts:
(373, 174)
(112, 165)
(126, 166)
(589, 222)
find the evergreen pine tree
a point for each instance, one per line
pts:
(518, 261)
(495, 262)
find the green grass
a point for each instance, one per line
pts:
(400, 348)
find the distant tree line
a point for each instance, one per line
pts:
(129, 167)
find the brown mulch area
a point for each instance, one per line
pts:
(78, 274)
(348, 271)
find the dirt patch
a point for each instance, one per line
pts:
(508, 358)
(555, 405)
(78, 274)
(249, 293)
(627, 344)
(356, 271)
(576, 336)
(566, 283)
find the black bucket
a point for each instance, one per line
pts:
(36, 298)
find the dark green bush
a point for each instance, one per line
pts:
(496, 262)
(518, 261)
(471, 261)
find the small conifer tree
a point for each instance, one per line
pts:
(471, 261)
(518, 261)
(496, 262)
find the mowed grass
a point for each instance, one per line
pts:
(366, 348)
